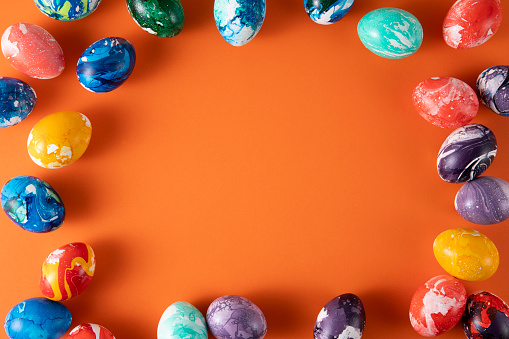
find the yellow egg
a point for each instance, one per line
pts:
(59, 139)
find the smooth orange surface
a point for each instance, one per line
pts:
(288, 171)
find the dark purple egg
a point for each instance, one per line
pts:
(466, 153)
(486, 316)
(234, 317)
(493, 88)
(341, 318)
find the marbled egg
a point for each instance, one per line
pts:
(37, 318)
(486, 317)
(466, 254)
(67, 10)
(32, 204)
(445, 101)
(17, 100)
(483, 201)
(493, 89)
(437, 305)
(390, 32)
(238, 21)
(326, 12)
(90, 331)
(341, 318)
(232, 316)
(470, 23)
(466, 153)
(163, 18)
(106, 64)
(67, 271)
(33, 51)
(182, 320)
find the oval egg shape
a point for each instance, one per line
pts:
(163, 18)
(38, 318)
(238, 21)
(182, 320)
(33, 51)
(486, 316)
(326, 12)
(466, 254)
(67, 271)
(90, 331)
(341, 318)
(17, 100)
(67, 10)
(493, 88)
(106, 64)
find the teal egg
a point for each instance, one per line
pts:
(390, 33)
(181, 320)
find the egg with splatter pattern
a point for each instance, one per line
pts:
(17, 100)
(486, 316)
(182, 320)
(90, 331)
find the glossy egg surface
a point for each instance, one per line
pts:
(493, 88)
(326, 12)
(486, 316)
(90, 331)
(67, 10)
(17, 100)
(182, 320)
(163, 18)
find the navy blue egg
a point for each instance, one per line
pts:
(106, 64)
(17, 100)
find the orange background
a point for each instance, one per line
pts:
(288, 171)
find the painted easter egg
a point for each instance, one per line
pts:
(390, 32)
(182, 320)
(483, 201)
(163, 18)
(106, 64)
(493, 88)
(67, 271)
(33, 51)
(486, 316)
(445, 101)
(341, 318)
(437, 305)
(37, 318)
(238, 21)
(466, 153)
(67, 10)
(90, 331)
(32, 204)
(17, 100)
(466, 254)
(470, 23)
(232, 316)
(326, 12)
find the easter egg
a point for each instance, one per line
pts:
(390, 32)
(163, 18)
(470, 23)
(486, 316)
(17, 100)
(67, 271)
(33, 51)
(493, 88)
(445, 101)
(37, 318)
(238, 21)
(437, 305)
(67, 10)
(32, 204)
(341, 318)
(59, 139)
(466, 254)
(90, 331)
(326, 12)
(106, 64)
(466, 153)
(483, 201)
(232, 316)
(182, 320)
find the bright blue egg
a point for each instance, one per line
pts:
(326, 12)
(17, 100)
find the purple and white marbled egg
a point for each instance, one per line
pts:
(493, 88)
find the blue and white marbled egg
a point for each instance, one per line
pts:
(17, 100)
(67, 10)
(182, 320)
(326, 12)
(493, 88)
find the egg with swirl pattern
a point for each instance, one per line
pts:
(486, 316)
(492, 85)
(326, 12)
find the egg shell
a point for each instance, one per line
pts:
(67, 271)
(466, 254)
(470, 23)
(17, 100)
(59, 139)
(90, 331)
(32, 204)
(232, 316)
(37, 318)
(163, 18)
(67, 10)
(492, 85)
(341, 318)
(182, 320)
(466, 153)
(437, 305)
(238, 21)
(33, 51)
(486, 316)
(326, 12)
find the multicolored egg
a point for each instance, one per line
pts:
(341, 318)
(17, 100)
(90, 331)
(466, 254)
(67, 10)
(238, 21)
(67, 271)
(163, 18)
(437, 305)
(493, 88)
(182, 320)
(232, 316)
(37, 318)
(486, 316)
(326, 12)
